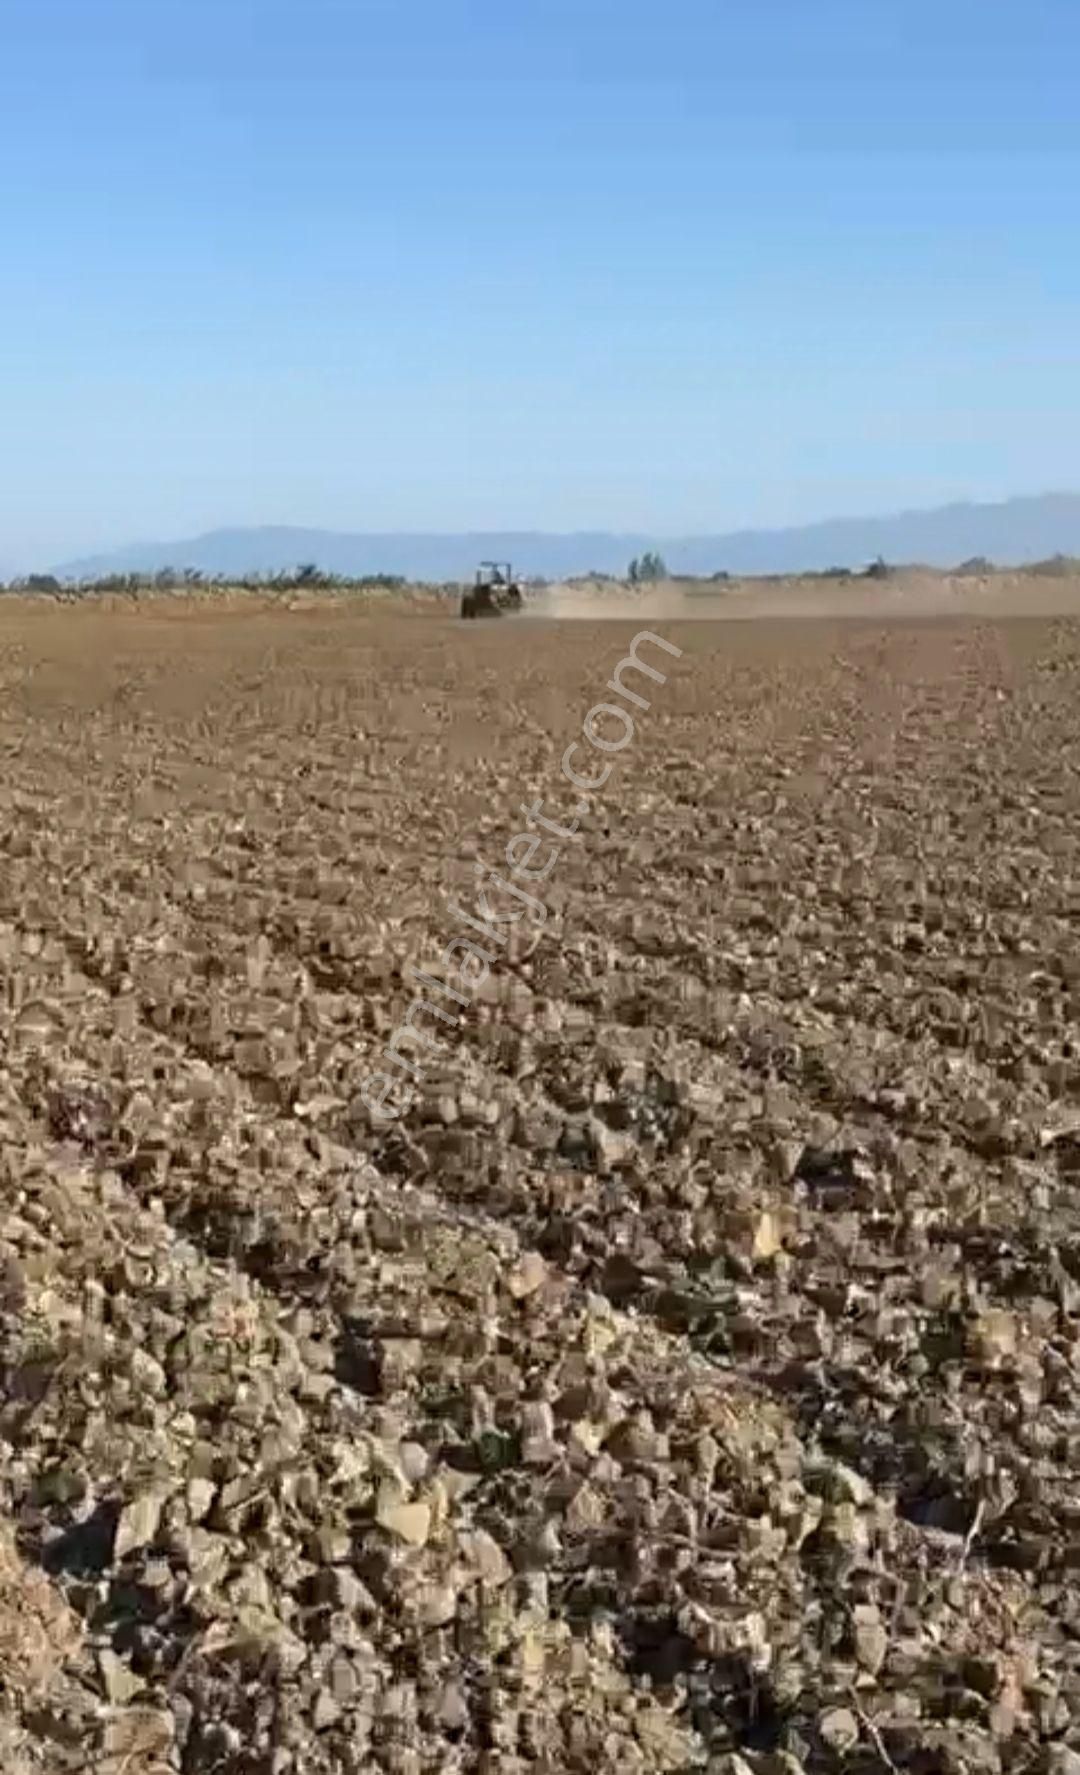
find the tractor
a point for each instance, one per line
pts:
(496, 592)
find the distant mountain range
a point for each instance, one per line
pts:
(1009, 533)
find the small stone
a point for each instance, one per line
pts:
(259, 1635)
(148, 1374)
(343, 1680)
(664, 1739)
(768, 1239)
(119, 1681)
(586, 1438)
(637, 1439)
(839, 1729)
(786, 1158)
(399, 1360)
(414, 1461)
(207, 1557)
(138, 1524)
(538, 1445)
(410, 1523)
(438, 1605)
(485, 1557)
(199, 1496)
(532, 1655)
(995, 1338)
(325, 1712)
(528, 1275)
(598, 1333)
(332, 1543)
(453, 1709)
(251, 1589)
(871, 1639)
(1062, 1760)
(848, 1528)
(136, 1737)
(544, 1547)
(587, 1509)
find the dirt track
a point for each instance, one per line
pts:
(694, 1368)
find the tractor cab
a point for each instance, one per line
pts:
(495, 591)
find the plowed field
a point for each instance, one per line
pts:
(687, 1370)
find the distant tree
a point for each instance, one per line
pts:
(878, 569)
(1056, 567)
(647, 570)
(308, 574)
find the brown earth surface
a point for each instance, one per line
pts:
(689, 1378)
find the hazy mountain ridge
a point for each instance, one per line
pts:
(1010, 532)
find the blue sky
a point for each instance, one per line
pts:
(451, 264)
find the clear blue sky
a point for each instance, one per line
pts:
(441, 264)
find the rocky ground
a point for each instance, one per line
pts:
(690, 1379)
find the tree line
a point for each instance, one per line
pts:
(307, 577)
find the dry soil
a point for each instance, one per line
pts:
(690, 1377)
